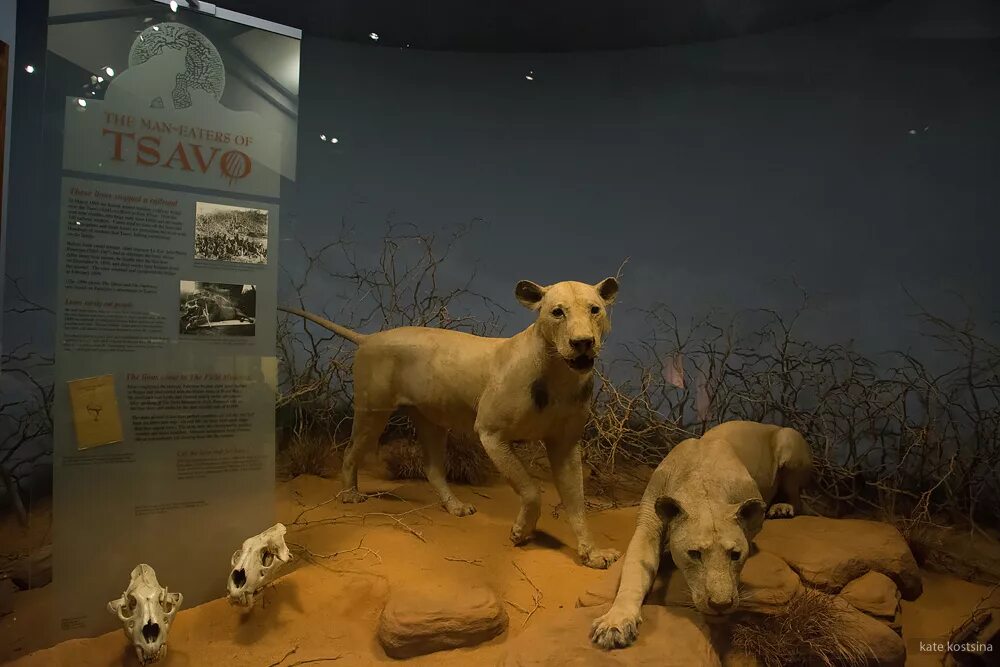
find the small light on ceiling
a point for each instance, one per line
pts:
(373, 35)
(93, 78)
(913, 131)
(323, 137)
(147, 19)
(78, 222)
(82, 102)
(156, 28)
(334, 140)
(30, 69)
(173, 5)
(530, 76)
(109, 71)
(100, 79)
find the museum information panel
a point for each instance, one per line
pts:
(175, 150)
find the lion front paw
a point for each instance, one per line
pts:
(615, 629)
(352, 496)
(460, 509)
(600, 559)
(780, 511)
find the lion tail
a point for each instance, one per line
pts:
(343, 332)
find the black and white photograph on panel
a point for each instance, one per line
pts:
(217, 309)
(230, 233)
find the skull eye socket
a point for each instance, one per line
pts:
(167, 605)
(266, 558)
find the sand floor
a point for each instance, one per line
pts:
(330, 609)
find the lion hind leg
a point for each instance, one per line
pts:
(367, 429)
(793, 473)
(434, 440)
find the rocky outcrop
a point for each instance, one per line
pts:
(830, 553)
(876, 595)
(423, 620)
(670, 637)
(886, 648)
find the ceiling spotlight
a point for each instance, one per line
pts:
(530, 76)
(323, 137)
(93, 78)
(82, 102)
(156, 28)
(334, 140)
(78, 222)
(30, 69)
(100, 79)
(109, 71)
(173, 5)
(373, 35)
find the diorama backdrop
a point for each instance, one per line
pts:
(838, 170)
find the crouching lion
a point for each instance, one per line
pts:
(536, 385)
(705, 503)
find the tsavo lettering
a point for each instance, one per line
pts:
(150, 151)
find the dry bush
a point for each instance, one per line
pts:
(811, 629)
(466, 461)
(306, 454)
(913, 440)
(26, 395)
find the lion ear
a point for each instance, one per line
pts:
(608, 289)
(668, 509)
(751, 515)
(529, 294)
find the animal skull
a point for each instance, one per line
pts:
(146, 611)
(256, 564)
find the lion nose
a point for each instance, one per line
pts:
(582, 345)
(720, 606)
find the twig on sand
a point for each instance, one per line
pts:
(474, 561)
(302, 662)
(377, 494)
(398, 518)
(361, 547)
(284, 657)
(536, 597)
(481, 494)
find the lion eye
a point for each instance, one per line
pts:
(595, 309)
(694, 554)
(557, 312)
(735, 555)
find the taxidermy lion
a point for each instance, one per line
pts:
(536, 385)
(705, 503)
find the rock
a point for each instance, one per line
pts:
(422, 620)
(829, 553)
(668, 637)
(873, 593)
(768, 583)
(34, 570)
(887, 648)
(604, 591)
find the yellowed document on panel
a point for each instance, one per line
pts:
(95, 411)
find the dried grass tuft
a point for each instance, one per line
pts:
(811, 630)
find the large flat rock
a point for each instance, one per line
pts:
(668, 637)
(830, 553)
(425, 619)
